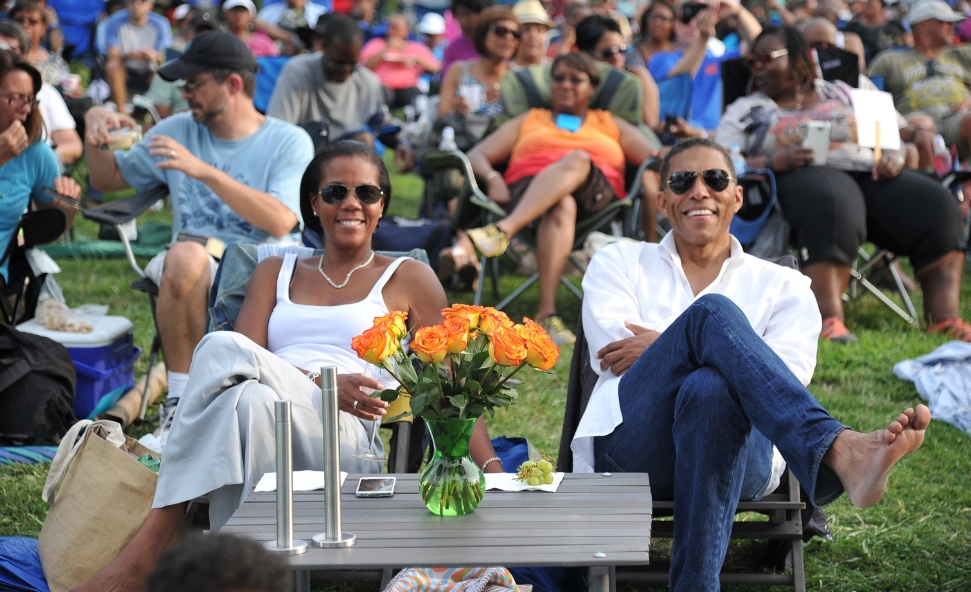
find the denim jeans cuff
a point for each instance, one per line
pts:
(826, 486)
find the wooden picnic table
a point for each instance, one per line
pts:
(593, 520)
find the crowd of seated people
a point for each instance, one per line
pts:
(654, 313)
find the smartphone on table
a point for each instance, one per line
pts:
(376, 487)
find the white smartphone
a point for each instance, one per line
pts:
(376, 486)
(817, 139)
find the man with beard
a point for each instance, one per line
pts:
(232, 174)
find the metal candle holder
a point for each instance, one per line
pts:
(284, 542)
(332, 536)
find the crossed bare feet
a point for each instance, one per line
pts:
(863, 461)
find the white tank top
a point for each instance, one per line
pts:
(308, 336)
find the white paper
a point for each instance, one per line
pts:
(869, 107)
(507, 482)
(302, 481)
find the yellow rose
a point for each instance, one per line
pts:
(375, 345)
(394, 320)
(468, 311)
(430, 344)
(507, 348)
(541, 352)
(457, 328)
(491, 319)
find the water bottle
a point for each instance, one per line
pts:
(738, 161)
(942, 157)
(448, 139)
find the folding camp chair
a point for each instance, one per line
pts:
(269, 70)
(783, 508)
(37, 228)
(621, 94)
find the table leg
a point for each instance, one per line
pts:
(301, 580)
(601, 579)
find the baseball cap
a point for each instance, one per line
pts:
(208, 50)
(933, 10)
(432, 24)
(532, 12)
(181, 10)
(248, 4)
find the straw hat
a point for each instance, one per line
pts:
(532, 12)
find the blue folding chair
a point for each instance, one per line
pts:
(675, 95)
(269, 70)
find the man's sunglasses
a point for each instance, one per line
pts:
(609, 52)
(765, 58)
(334, 193)
(574, 80)
(500, 31)
(681, 181)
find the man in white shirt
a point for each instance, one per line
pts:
(703, 354)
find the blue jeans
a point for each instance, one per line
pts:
(696, 405)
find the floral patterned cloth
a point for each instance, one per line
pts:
(452, 579)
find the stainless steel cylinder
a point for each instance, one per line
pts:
(330, 400)
(284, 485)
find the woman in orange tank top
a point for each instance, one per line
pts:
(564, 164)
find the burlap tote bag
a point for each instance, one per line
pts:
(100, 495)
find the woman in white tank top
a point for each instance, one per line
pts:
(297, 315)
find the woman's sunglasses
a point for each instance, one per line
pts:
(500, 31)
(609, 52)
(334, 193)
(765, 58)
(681, 181)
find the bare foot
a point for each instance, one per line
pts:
(863, 461)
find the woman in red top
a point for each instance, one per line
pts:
(564, 164)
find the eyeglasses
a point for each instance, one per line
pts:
(24, 21)
(716, 179)
(191, 87)
(661, 17)
(609, 52)
(500, 31)
(574, 80)
(19, 102)
(334, 193)
(765, 58)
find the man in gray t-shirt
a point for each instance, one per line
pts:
(333, 85)
(135, 49)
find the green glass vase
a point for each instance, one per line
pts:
(451, 484)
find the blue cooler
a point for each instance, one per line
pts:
(104, 359)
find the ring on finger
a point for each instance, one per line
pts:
(172, 154)
(355, 403)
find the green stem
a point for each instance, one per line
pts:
(511, 374)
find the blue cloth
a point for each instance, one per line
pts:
(271, 160)
(113, 24)
(943, 379)
(78, 19)
(21, 180)
(28, 455)
(20, 569)
(696, 405)
(706, 88)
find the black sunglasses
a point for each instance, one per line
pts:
(575, 80)
(334, 193)
(681, 181)
(609, 52)
(500, 31)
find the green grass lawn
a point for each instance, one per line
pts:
(917, 538)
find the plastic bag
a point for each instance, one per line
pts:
(20, 568)
(54, 313)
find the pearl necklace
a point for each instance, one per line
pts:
(320, 268)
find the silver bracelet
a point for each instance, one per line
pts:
(491, 460)
(492, 176)
(313, 376)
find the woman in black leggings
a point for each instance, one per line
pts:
(834, 208)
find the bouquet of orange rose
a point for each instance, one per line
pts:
(466, 363)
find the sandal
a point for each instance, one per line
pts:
(955, 327)
(835, 330)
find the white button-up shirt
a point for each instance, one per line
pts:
(644, 283)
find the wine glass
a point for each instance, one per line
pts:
(388, 381)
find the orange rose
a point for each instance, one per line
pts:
(541, 352)
(457, 328)
(394, 320)
(492, 319)
(375, 345)
(507, 348)
(468, 311)
(430, 344)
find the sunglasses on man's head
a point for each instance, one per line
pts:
(334, 193)
(765, 58)
(609, 52)
(716, 179)
(500, 31)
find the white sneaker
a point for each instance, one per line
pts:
(166, 416)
